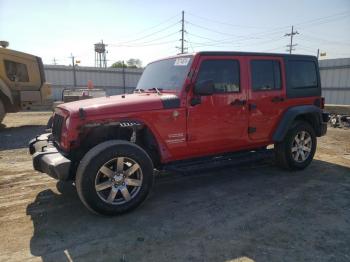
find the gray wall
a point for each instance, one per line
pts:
(111, 79)
(335, 80)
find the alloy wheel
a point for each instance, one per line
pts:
(301, 146)
(119, 180)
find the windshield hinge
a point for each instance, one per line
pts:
(133, 135)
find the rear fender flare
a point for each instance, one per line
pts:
(291, 114)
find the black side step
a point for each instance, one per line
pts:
(215, 162)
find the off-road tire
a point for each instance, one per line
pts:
(2, 111)
(283, 150)
(96, 158)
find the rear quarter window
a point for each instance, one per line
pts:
(303, 78)
(303, 74)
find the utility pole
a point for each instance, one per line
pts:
(182, 31)
(291, 45)
(182, 47)
(74, 73)
(54, 61)
(318, 53)
(124, 77)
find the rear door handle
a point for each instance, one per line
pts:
(277, 99)
(238, 102)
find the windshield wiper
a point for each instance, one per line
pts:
(156, 89)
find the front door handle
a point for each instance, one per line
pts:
(277, 99)
(238, 102)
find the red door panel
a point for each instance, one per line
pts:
(219, 122)
(265, 105)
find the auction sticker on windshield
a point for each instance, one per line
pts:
(182, 61)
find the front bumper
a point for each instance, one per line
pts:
(47, 159)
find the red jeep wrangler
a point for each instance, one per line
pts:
(184, 108)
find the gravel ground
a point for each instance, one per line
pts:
(257, 213)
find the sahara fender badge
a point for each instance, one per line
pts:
(175, 138)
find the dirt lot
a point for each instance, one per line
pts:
(257, 213)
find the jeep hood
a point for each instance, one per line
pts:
(121, 104)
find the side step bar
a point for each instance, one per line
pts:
(214, 162)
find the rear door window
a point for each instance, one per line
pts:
(302, 74)
(266, 75)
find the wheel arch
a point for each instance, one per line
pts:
(133, 131)
(307, 113)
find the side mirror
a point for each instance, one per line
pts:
(204, 88)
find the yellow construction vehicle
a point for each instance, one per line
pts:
(22, 81)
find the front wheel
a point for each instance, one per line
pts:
(298, 148)
(114, 177)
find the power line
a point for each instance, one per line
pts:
(211, 30)
(331, 42)
(231, 43)
(155, 26)
(270, 32)
(231, 38)
(326, 19)
(154, 44)
(291, 34)
(237, 37)
(229, 24)
(147, 42)
(148, 35)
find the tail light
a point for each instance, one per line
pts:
(322, 103)
(319, 102)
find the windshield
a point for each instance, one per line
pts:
(168, 74)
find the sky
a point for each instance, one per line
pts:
(150, 30)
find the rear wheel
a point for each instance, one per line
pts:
(298, 148)
(2, 111)
(114, 177)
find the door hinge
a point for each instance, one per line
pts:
(251, 129)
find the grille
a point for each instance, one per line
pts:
(57, 127)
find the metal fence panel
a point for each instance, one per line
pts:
(111, 79)
(335, 80)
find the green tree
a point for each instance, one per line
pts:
(119, 64)
(130, 63)
(134, 63)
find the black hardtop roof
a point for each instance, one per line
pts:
(238, 53)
